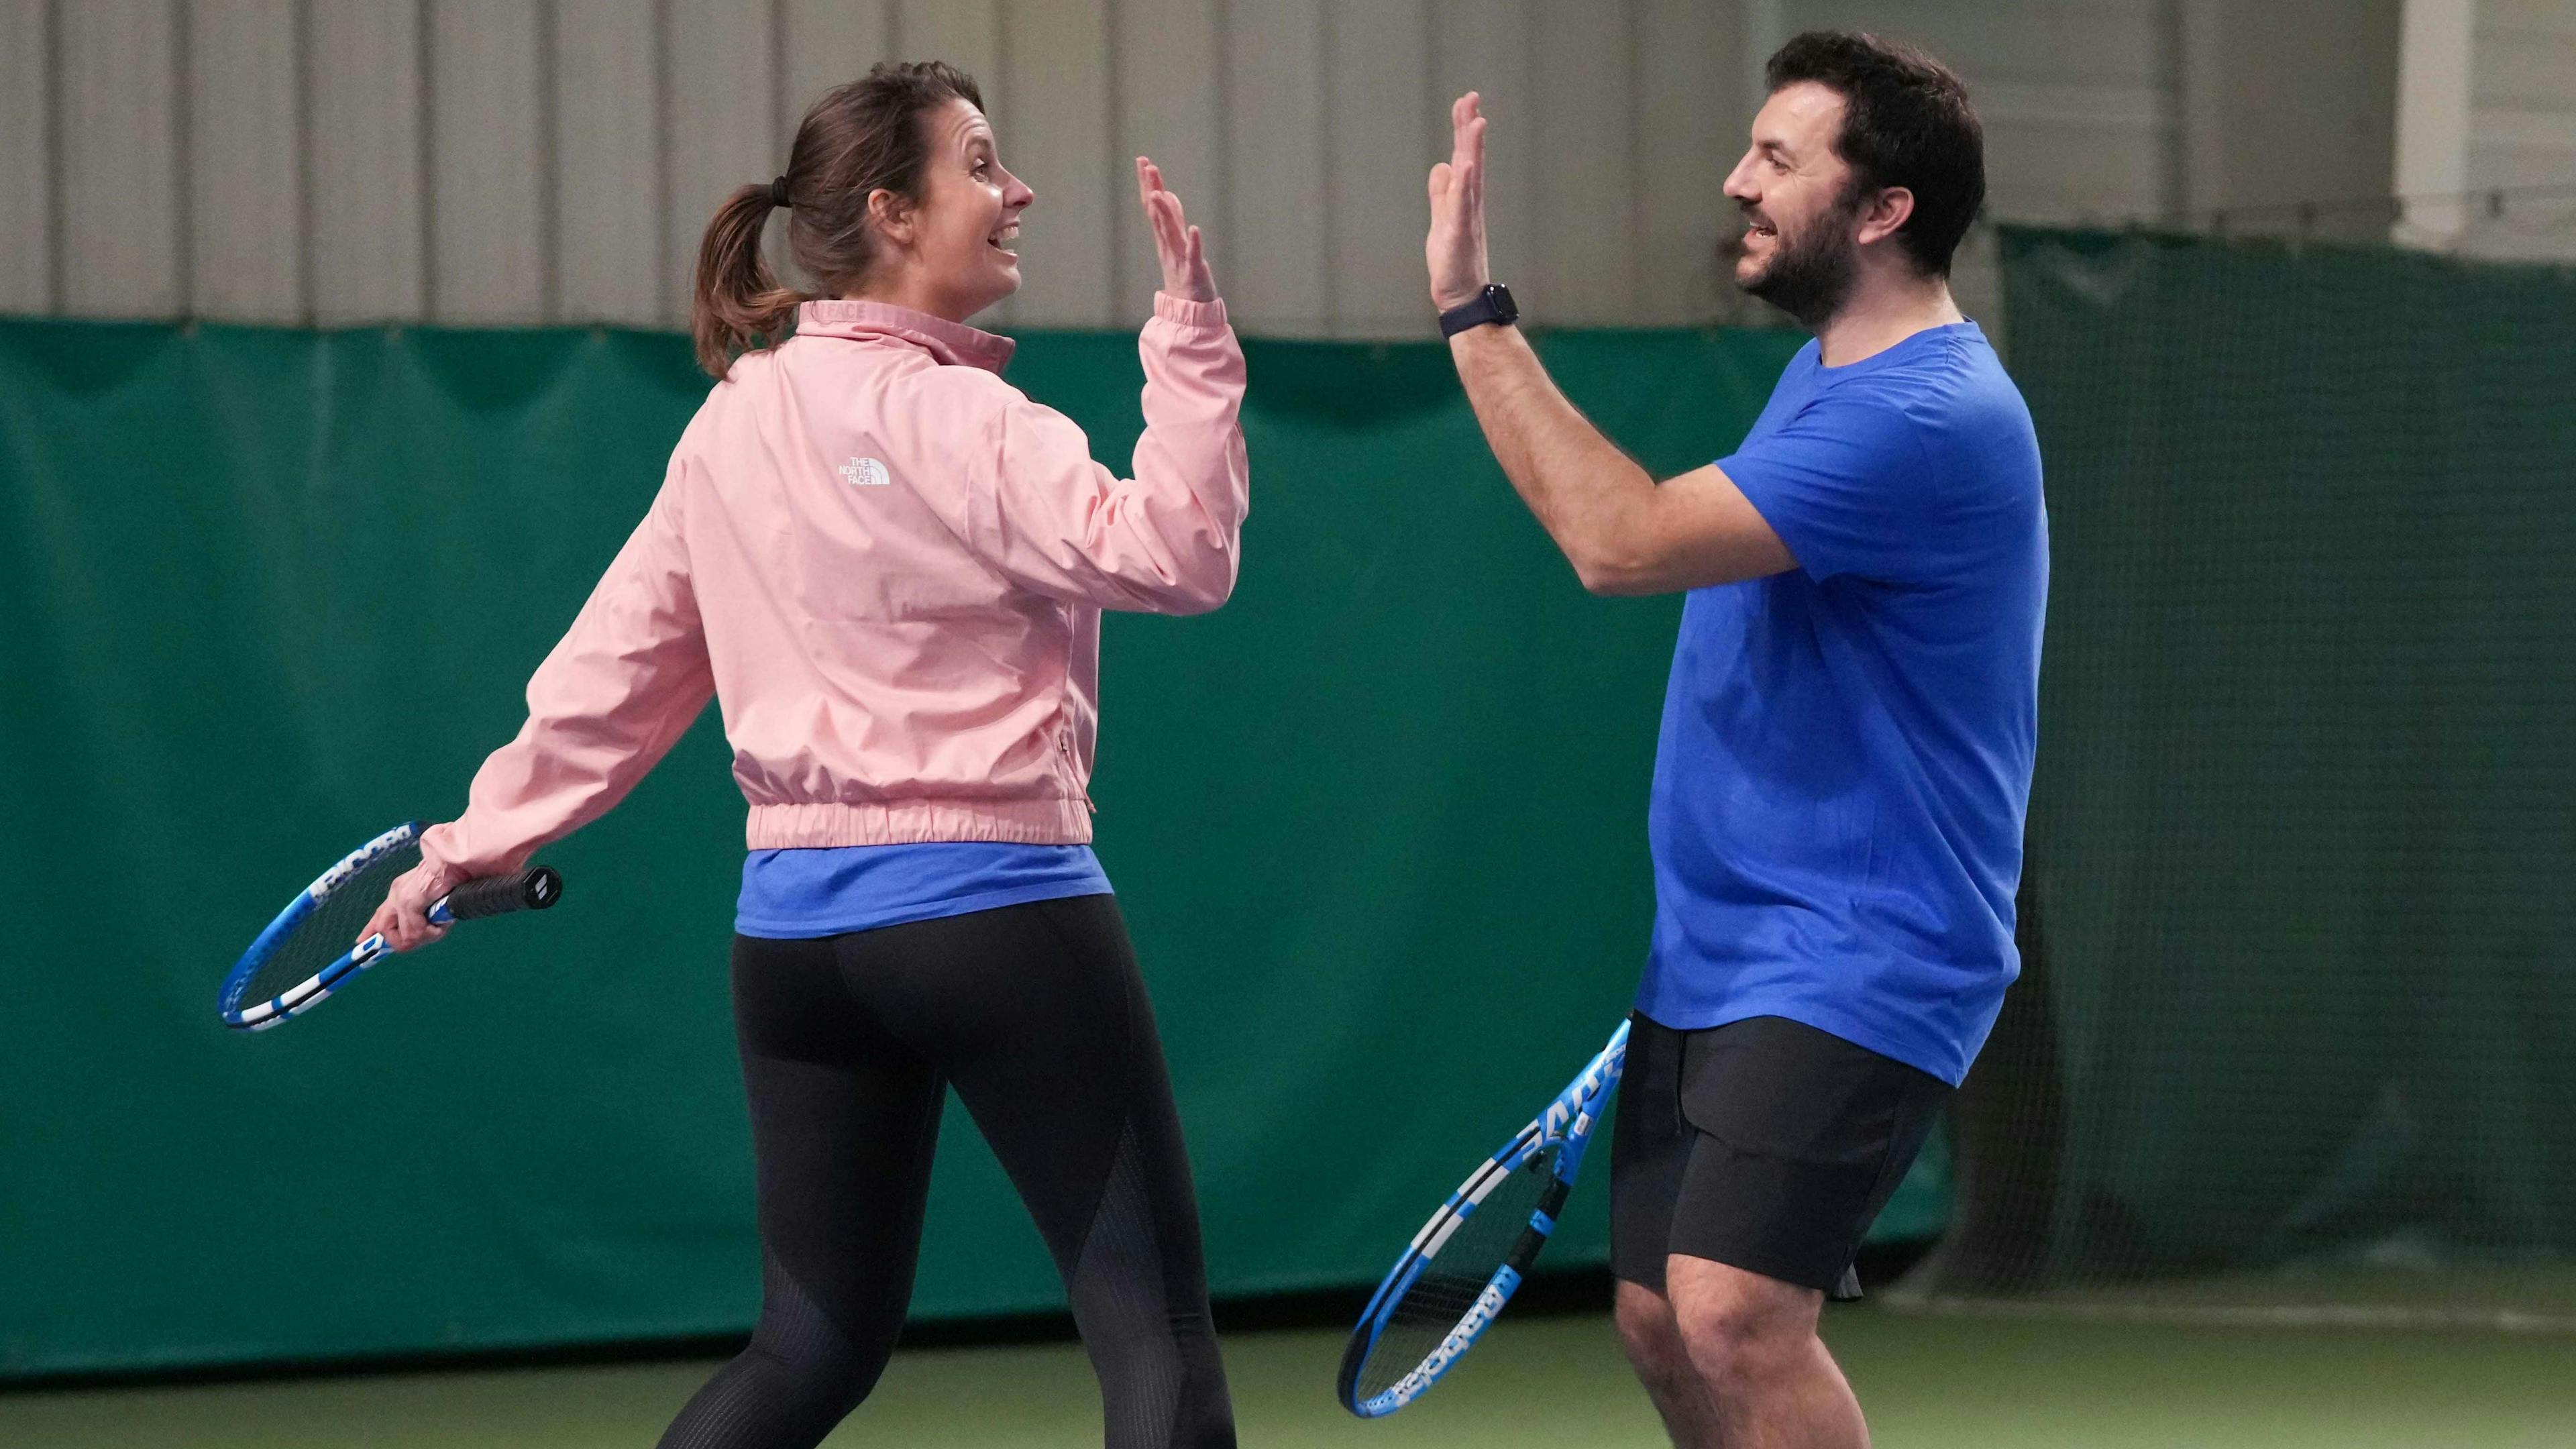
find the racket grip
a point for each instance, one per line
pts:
(533, 889)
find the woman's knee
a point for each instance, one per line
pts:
(817, 1350)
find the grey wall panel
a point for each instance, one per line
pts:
(1275, 240)
(246, 182)
(489, 223)
(27, 204)
(370, 160)
(2070, 152)
(2201, 38)
(2070, 40)
(1690, 115)
(512, 161)
(1167, 60)
(965, 33)
(1380, 117)
(2522, 128)
(1587, 164)
(822, 44)
(721, 110)
(1056, 67)
(1492, 49)
(2522, 149)
(612, 253)
(2292, 100)
(2524, 66)
(124, 202)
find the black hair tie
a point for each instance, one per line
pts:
(778, 193)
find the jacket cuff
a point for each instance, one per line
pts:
(1186, 313)
(446, 847)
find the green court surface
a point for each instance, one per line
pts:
(1926, 1381)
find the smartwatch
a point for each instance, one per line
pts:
(1494, 304)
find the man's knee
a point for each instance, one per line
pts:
(1740, 1328)
(1646, 1327)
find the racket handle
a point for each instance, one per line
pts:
(533, 889)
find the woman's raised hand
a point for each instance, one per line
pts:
(1176, 242)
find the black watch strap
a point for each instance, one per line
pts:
(1494, 304)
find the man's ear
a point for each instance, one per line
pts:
(1885, 215)
(893, 215)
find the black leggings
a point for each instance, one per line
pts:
(1038, 1017)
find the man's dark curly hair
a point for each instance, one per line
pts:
(1906, 122)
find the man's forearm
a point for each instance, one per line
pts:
(1590, 497)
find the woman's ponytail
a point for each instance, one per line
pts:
(739, 305)
(859, 139)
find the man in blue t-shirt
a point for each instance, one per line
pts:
(1845, 757)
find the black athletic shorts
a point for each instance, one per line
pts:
(1764, 1144)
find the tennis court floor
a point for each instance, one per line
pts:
(1928, 1382)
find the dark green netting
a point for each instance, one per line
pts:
(2301, 1032)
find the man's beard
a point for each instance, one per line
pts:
(1811, 277)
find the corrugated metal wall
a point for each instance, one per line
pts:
(2522, 129)
(512, 161)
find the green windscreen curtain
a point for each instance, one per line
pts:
(2304, 825)
(1377, 826)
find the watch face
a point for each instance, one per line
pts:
(1494, 304)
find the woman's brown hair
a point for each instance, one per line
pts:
(860, 138)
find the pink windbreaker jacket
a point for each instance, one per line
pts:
(888, 565)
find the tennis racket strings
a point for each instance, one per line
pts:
(322, 936)
(1455, 1276)
(1491, 1230)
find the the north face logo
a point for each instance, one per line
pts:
(866, 473)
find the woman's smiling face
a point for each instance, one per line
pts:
(967, 223)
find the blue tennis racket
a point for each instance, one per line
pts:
(305, 954)
(1463, 1266)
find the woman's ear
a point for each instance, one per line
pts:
(892, 214)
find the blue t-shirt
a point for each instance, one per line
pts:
(793, 895)
(1845, 758)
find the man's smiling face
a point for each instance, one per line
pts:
(1800, 204)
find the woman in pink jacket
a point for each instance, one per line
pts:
(887, 566)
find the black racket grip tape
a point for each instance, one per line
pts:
(532, 889)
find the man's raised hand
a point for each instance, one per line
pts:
(1455, 249)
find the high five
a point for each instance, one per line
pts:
(888, 566)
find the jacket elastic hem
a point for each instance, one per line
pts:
(916, 822)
